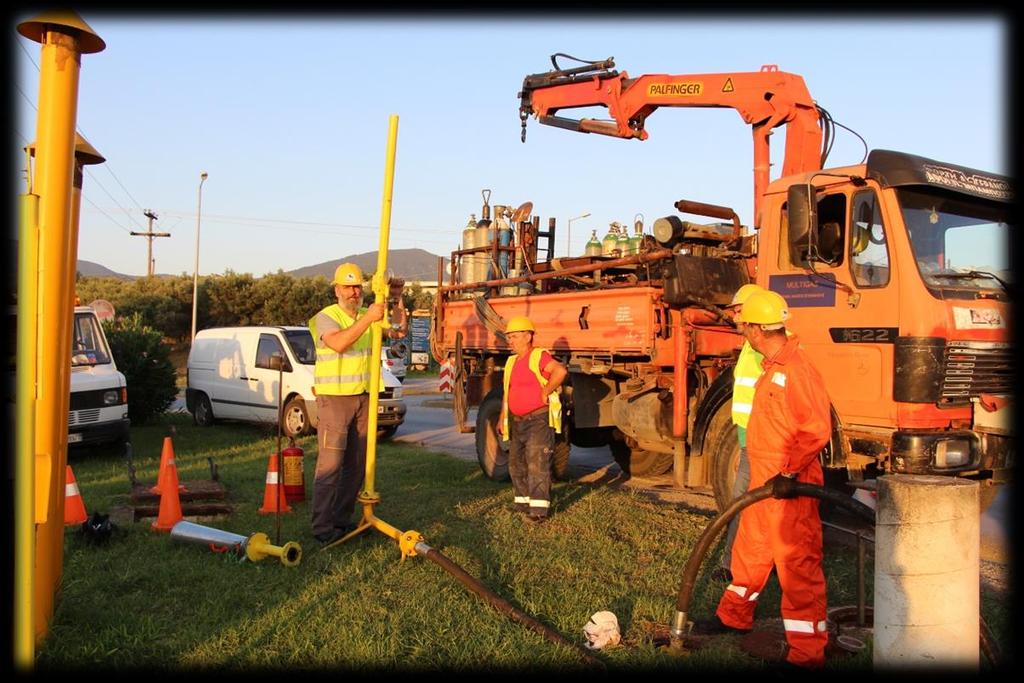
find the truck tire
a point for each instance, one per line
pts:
(203, 411)
(560, 455)
(294, 418)
(638, 462)
(491, 451)
(722, 448)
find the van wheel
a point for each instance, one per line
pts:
(294, 418)
(385, 433)
(203, 411)
(491, 451)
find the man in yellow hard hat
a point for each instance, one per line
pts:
(790, 423)
(343, 336)
(745, 374)
(531, 413)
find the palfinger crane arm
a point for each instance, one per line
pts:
(765, 99)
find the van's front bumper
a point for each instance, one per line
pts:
(104, 432)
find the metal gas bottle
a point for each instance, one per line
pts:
(622, 242)
(611, 240)
(294, 476)
(638, 235)
(593, 247)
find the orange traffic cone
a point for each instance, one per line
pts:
(74, 506)
(273, 500)
(170, 504)
(166, 457)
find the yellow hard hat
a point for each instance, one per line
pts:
(519, 323)
(744, 292)
(348, 274)
(765, 308)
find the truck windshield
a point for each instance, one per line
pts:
(88, 346)
(301, 342)
(959, 242)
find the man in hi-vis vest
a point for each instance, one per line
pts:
(531, 413)
(343, 339)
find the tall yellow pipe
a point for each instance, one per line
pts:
(24, 475)
(380, 288)
(64, 37)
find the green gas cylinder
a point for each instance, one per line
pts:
(593, 246)
(611, 240)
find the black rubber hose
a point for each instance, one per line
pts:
(502, 605)
(678, 627)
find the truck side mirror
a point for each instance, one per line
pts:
(802, 207)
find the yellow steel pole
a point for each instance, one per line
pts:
(64, 37)
(24, 475)
(380, 291)
(85, 155)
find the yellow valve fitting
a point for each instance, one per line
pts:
(407, 543)
(258, 547)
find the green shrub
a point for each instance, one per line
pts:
(145, 360)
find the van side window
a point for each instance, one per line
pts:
(267, 347)
(869, 251)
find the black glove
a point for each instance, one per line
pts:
(782, 486)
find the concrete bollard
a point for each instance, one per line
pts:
(927, 591)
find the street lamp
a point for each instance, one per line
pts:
(568, 234)
(195, 269)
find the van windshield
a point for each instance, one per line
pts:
(88, 345)
(301, 342)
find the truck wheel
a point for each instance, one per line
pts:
(639, 462)
(203, 415)
(491, 451)
(560, 456)
(722, 447)
(294, 418)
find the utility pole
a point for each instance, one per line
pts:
(149, 259)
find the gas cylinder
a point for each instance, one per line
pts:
(638, 235)
(466, 267)
(622, 242)
(294, 476)
(611, 241)
(593, 246)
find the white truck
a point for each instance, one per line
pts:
(98, 411)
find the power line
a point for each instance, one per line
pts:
(107, 215)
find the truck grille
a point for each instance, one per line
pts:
(79, 417)
(973, 368)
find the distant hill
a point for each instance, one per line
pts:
(90, 269)
(409, 264)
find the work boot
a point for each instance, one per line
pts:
(330, 537)
(536, 518)
(714, 627)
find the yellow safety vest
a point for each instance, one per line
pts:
(554, 403)
(745, 374)
(342, 374)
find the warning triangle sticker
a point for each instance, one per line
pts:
(728, 87)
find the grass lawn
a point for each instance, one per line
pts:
(145, 601)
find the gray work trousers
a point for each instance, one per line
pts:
(739, 487)
(531, 443)
(340, 460)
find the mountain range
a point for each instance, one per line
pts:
(410, 264)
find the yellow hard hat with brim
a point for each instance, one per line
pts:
(764, 308)
(348, 274)
(519, 323)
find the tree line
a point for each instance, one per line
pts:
(165, 303)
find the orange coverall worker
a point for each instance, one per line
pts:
(789, 425)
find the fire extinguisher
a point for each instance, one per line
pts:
(294, 476)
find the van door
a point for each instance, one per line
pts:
(232, 386)
(263, 378)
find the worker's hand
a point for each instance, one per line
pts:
(374, 312)
(783, 486)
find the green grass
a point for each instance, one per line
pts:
(145, 601)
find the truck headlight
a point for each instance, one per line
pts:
(952, 453)
(112, 397)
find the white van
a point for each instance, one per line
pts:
(230, 377)
(98, 410)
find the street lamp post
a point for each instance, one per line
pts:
(195, 269)
(568, 233)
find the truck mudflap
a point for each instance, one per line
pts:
(615, 321)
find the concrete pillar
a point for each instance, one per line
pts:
(927, 591)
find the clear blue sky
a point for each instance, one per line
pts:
(289, 118)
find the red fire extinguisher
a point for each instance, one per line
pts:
(294, 476)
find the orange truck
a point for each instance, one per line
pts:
(894, 270)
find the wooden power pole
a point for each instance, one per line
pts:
(149, 259)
